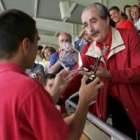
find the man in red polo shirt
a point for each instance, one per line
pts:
(120, 21)
(119, 69)
(27, 110)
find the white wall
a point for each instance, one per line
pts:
(121, 3)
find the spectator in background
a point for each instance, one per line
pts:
(135, 13)
(81, 41)
(119, 19)
(26, 109)
(56, 60)
(39, 56)
(46, 53)
(49, 81)
(37, 72)
(127, 12)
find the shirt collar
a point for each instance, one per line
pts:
(11, 66)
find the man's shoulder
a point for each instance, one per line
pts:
(19, 87)
(23, 81)
(27, 82)
(127, 33)
(129, 36)
(128, 22)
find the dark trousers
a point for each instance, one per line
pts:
(120, 120)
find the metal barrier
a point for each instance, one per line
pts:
(114, 133)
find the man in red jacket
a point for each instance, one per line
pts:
(119, 69)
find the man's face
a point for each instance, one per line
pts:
(63, 40)
(49, 84)
(115, 15)
(96, 27)
(135, 13)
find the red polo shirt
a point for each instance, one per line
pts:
(27, 111)
(126, 24)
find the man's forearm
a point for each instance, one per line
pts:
(76, 122)
(54, 68)
(55, 93)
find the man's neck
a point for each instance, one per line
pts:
(107, 41)
(120, 21)
(12, 61)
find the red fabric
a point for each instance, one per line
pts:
(85, 48)
(125, 79)
(107, 44)
(59, 51)
(126, 24)
(26, 109)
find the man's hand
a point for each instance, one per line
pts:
(102, 73)
(61, 81)
(89, 92)
(63, 78)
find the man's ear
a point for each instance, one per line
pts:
(25, 45)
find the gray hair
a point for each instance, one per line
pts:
(104, 13)
(70, 37)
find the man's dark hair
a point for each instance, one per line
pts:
(49, 76)
(15, 25)
(114, 8)
(70, 37)
(40, 47)
(102, 9)
(118, 10)
(126, 6)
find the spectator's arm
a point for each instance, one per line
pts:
(54, 63)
